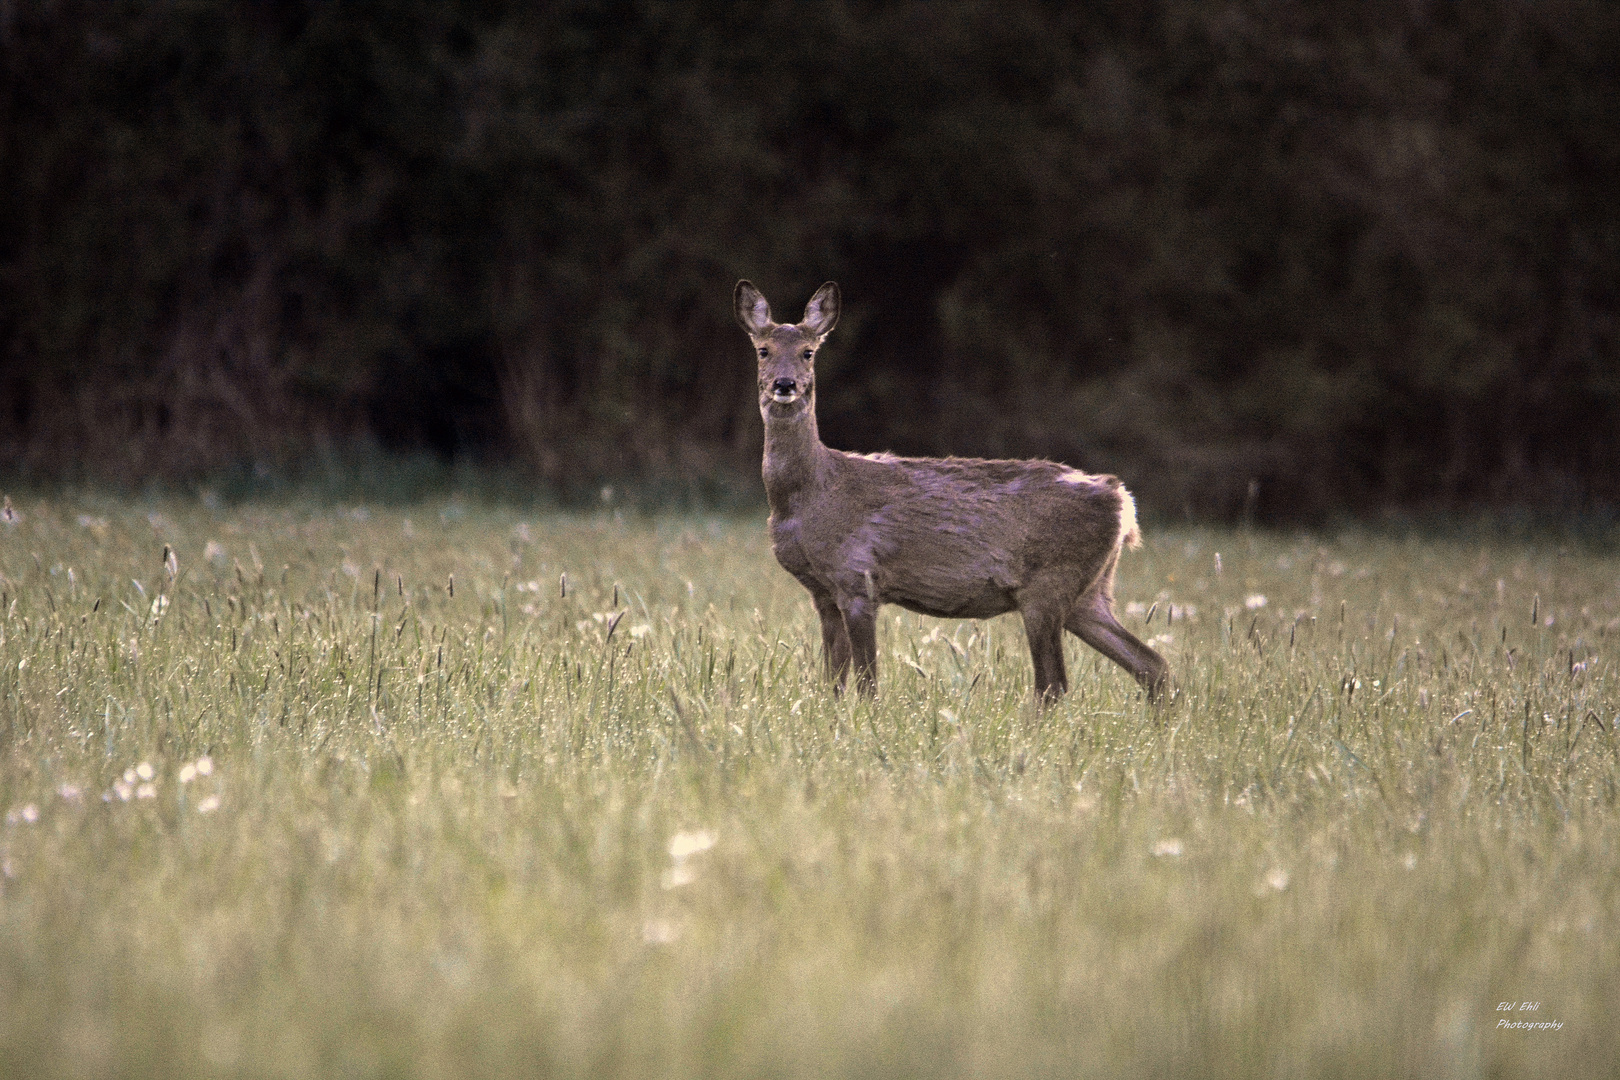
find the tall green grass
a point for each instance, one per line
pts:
(338, 792)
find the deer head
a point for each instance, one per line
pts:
(787, 353)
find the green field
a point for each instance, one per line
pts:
(286, 805)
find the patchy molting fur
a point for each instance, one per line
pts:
(951, 537)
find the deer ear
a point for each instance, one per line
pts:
(753, 313)
(821, 313)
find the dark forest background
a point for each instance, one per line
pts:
(1265, 257)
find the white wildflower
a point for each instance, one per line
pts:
(683, 845)
(1254, 601)
(1169, 847)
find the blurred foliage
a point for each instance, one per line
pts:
(1256, 257)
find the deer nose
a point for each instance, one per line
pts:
(783, 387)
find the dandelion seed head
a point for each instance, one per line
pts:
(205, 766)
(208, 805)
(146, 791)
(1169, 847)
(145, 771)
(1255, 601)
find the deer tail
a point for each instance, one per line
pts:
(1130, 534)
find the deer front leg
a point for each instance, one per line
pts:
(1044, 628)
(835, 650)
(860, 622)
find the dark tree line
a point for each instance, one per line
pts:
(1357, 254)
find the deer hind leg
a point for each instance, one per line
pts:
(860, 624)
(835, 649)
(1092, 621)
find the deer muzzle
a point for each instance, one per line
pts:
(785, 391)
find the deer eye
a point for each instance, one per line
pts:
(763, 353)
(808, 353)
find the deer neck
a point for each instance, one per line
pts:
(794, 455)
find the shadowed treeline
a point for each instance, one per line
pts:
(1282, 258)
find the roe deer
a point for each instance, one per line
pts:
(959, 538)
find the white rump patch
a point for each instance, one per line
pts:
(1075, 476)
(1129, 534)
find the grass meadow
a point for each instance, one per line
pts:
(454, 790)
